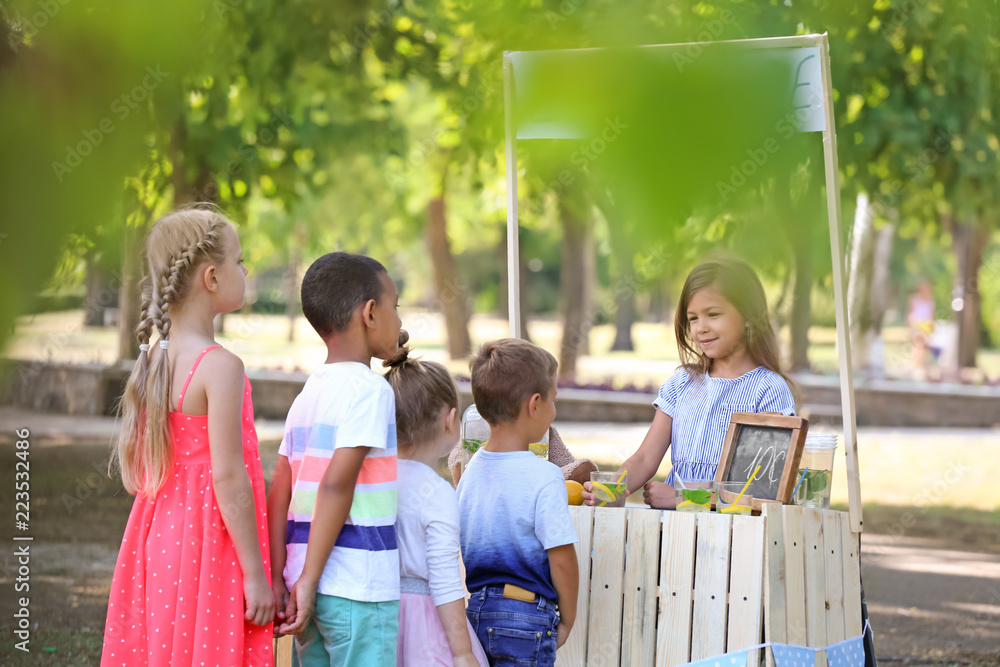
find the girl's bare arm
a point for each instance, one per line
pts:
(224, 385)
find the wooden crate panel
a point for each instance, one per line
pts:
(673, 635)
(774, 577)
(640, 588)
(605, 624)
(574, 651)
(746, 579)
(711, 584)
(815, 577)
(851, 556)
(834, 577)
(795, 577)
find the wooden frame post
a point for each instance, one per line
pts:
(513, 248)
(840, 293)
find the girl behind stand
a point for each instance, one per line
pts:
(730, 363)
(191, 582)
(433, 628)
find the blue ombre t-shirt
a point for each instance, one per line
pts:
(512, 508)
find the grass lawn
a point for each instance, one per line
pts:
(262, 342)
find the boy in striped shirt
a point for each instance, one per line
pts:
(332, 502)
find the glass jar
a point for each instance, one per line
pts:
(475, 433)
(815, 474)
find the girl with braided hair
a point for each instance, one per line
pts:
(192, 581)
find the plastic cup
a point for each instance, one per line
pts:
(727, 494)
(694, 496)
(816, 471)
(608, 490)
(541, 448)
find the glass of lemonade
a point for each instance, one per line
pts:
(609, 491)
(475, 431)
(727, 494)
(541, 448)
(694, 496)
(815, 473)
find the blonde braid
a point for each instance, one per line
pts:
(172, 282)
(144, 330)
(143, 451)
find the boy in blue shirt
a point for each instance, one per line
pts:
(517, 536)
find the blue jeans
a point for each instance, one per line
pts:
(514, 632)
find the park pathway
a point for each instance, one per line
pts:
(933, 599)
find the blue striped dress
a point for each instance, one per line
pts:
(701, 407)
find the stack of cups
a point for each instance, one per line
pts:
(815, 471)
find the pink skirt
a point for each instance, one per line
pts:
(422, 641)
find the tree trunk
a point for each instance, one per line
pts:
(625, 285)
(968, 242)
(884, 239)
(659, 302)
(292, 279)
(801, 311)
(576, 327)
(451, 297)
(859, 282)
(101, 292)
(129, 296)
(589, 283)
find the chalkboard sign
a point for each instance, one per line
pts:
(772, 441)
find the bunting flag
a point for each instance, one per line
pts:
(848, 653)
(734, 659)
(786, 655)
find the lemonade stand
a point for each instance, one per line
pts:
(667, 587)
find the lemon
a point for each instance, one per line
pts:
(733, 509)
(688, 506)
(575, 492)
(539, 449)
(603, 493)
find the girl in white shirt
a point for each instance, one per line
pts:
(433, 628)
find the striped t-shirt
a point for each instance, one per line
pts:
(345, 405)
(701, 407)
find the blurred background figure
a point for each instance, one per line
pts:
(920, 318)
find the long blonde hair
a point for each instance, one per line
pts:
(177, 243)
(738, 284)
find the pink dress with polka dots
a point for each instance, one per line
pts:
(177, 593)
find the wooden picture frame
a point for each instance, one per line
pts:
(798, 426)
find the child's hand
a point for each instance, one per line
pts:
(588, 494)
(659, 496)
(259, 600)
(280, 602)
(562, 634)
(298, 611)
(467, 660)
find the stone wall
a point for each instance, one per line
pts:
(94, 390)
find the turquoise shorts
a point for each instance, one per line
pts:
(349, 633)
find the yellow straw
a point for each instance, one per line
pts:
(737, 501)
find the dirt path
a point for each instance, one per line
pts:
(933, 595)
(931, 603)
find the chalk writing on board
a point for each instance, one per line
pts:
(765, 446)
(768, 460)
